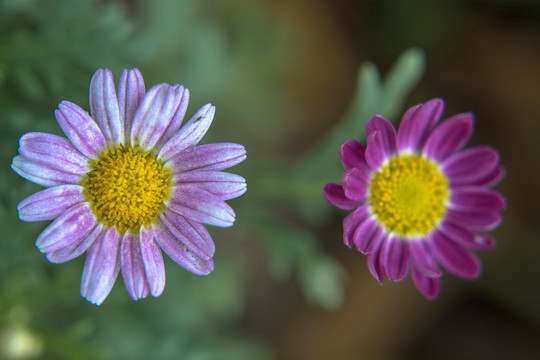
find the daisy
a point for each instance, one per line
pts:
(417, 199)
(128, 182)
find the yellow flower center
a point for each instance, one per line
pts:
(408, 195)
(127, 188)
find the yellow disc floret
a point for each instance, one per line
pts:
(127, 187)
(408, 195)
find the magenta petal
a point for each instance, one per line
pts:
(191, 234)
(379, 124)
(465, 237)
(74, 224)
(155, 114)
(375, 156)
(52, 151)
(224, 185)
(374, 264)
(472, 198)
(181, 255)
(470, 165)
(395, 258)
(153, 261)
(41, 174)
(201, 206)
(352, 155)
(132, 265)
(449, 137)
(481, 241)
(428, 287)
(423, 258)
(351, 222)
(217, 156)
(355, 184)
(455, 257)
(366, 233)
(80, 129)
(334, 194)
(104, 106)
(492, 178)
(76, 248)
(131, 92)
(101, 267)
(381, 143)
(48, 204)
(475, 220)
(417, 123)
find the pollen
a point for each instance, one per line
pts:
(408, 196)
(127, 187)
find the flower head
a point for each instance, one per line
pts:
(417, 199)
(128, 182)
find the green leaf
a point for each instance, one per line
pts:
(294, 249)
(401, 80)
(322, 281)
(372, 97)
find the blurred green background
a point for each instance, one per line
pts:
(291, 80)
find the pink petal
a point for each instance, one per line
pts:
(181, 255)
(224, 185)
(101, 267)
(76, 248)
(217, 156)
(80, 129)
(153, 261)
(155, 114)
(48, 204)
(131, 92)
(190, 134)
(191, 234)
(72, 226)
(132, 265)
(177, 119)
(41, 174)
(201, 206)
(52, 151)
(104, 106)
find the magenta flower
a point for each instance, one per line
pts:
(128, 182)
(418, 199)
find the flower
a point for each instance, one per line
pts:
(128, 182)
(418, 199)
